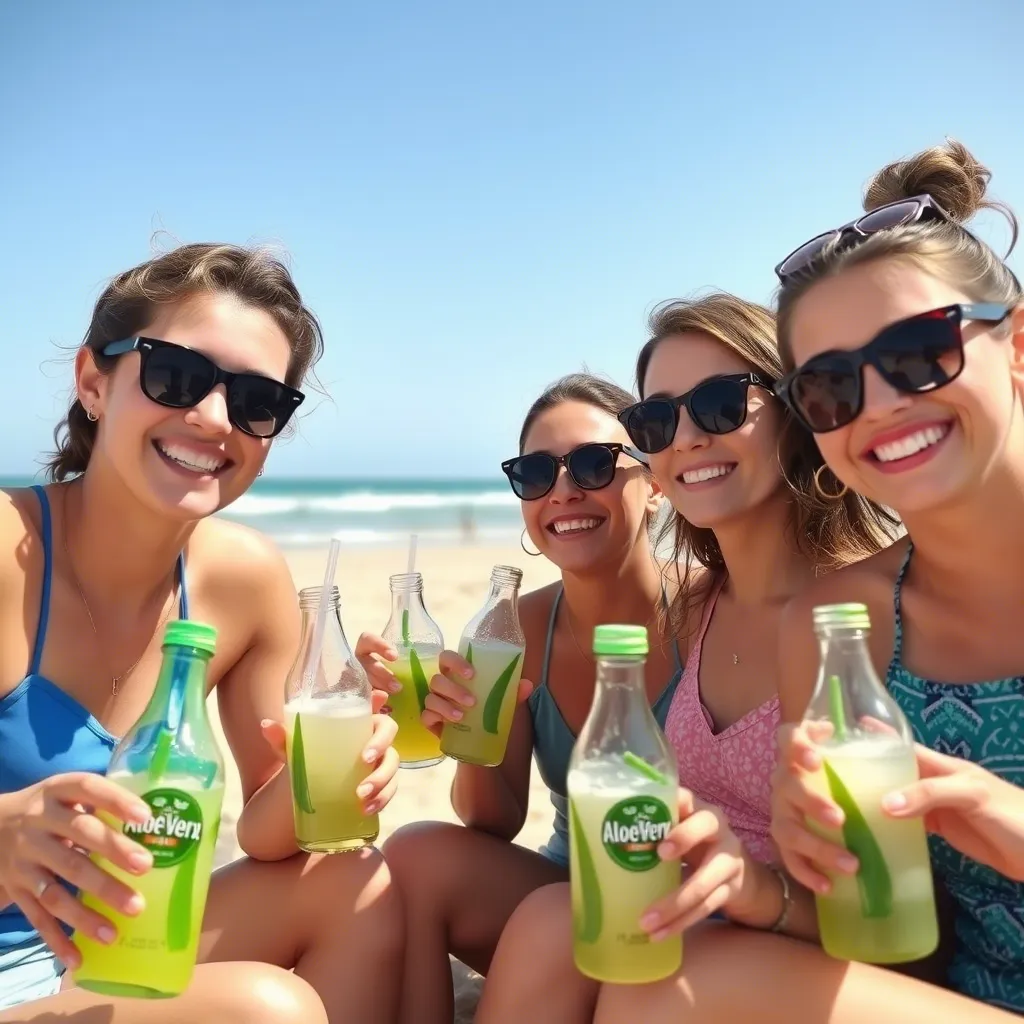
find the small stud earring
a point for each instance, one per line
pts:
(91, 416)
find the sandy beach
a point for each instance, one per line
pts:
(455, 585)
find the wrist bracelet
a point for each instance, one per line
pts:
(787, 899)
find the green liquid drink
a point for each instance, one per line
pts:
(898, 922)
(417, 746)
(326, 739)
(170, 759)
(157, 949)
(481, 736)
(617, 817)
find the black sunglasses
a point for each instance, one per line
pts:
(181, 378)
(590, 466)
(717, 405)
(902, 211)
(920, 354)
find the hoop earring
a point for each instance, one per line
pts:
(821, 490)
(522, 544)
(91, 416)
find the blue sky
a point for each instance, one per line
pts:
(476, 197)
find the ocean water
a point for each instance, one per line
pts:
(299, 513)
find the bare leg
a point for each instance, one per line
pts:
(533, 977)
(459, 888)
(731, 974)
(336, 920)
(240, 993)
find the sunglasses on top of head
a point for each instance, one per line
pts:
(180, 378)
(717, 405)
(590, 466)
(920, 354)
(895, 214)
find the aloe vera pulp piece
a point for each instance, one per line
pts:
(300, 784)
(419, 678)
(492, 707)
(873, 879)
(588, 927)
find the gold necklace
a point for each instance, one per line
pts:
(114, 680)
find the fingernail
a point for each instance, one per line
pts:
(894, 802)
(468, 673)
(834, 816)
(106, 934)
(372, 807)
(394, 686)
(370, 755)
(848, 863)
(823, 886)
(456, 714)
(135, 905)
(391, 654)
(264, 722)
(649, 921)
(667, 851)
(809, 760)
(659, 935)
(72, 960)
(141, 812)
(140, 861)
(364, 790)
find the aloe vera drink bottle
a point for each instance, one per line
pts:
(623, 801)
(329, 722)
(417, 639)
(494, 644)
(886, 913)
(171, 760)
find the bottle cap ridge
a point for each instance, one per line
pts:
(189, 633)
(627, 641)
(842, 616)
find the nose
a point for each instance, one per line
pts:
(211, 414)
(688, 436)
(881, 399)
(565, 490)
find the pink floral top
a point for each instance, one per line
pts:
(731, 769)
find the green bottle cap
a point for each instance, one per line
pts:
(624, 641)
(189, 633)
(841, 616)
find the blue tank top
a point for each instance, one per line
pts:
(44, 731)
(979, 722)
(553, 741)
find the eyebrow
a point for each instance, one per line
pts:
(661, 394)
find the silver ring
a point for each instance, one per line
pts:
(41, 886)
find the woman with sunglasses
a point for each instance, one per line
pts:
(187, 373)
(588, 503)
(906, 336)
(751, 530)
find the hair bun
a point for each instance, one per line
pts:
(949, 174)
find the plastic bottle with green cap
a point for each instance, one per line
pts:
(170, 758)
(886, 913)
(494, 644)
(623, 802)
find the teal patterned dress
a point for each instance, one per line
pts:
(983, 723)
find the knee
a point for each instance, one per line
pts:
(263, 994)
(423, 854)
(540, 929)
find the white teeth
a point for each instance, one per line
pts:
(910, 445)
(698, 476)
(190, 459)
(575, 525)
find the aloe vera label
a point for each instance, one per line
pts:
(632, 830)
(174, 830)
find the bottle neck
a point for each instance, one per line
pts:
(845, 653)
(180, 693)
(622, 676)
(502, 592)
(406, 592)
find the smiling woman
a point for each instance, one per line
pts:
(188, 371)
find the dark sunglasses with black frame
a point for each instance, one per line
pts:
(180, 378)
(717, 405)
(922, 353)
(590, 466)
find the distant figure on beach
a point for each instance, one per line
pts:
(467, 524)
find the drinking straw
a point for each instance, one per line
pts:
(317, 641)
(410, 569)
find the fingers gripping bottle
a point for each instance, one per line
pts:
(623, 801)
(886, 913)
(494, 644)
(329, 722)
(169, 758)
(417, 639)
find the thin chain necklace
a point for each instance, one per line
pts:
(572, 633)
(114, 680)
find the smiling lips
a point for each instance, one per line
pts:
(574, 527)
(909, 443)
(188, 458)
(702, 474)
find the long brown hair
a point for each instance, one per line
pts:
(830, 531)
(128, 304)
(958, 182)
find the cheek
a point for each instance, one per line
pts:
(661, 467)
(834, 448)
